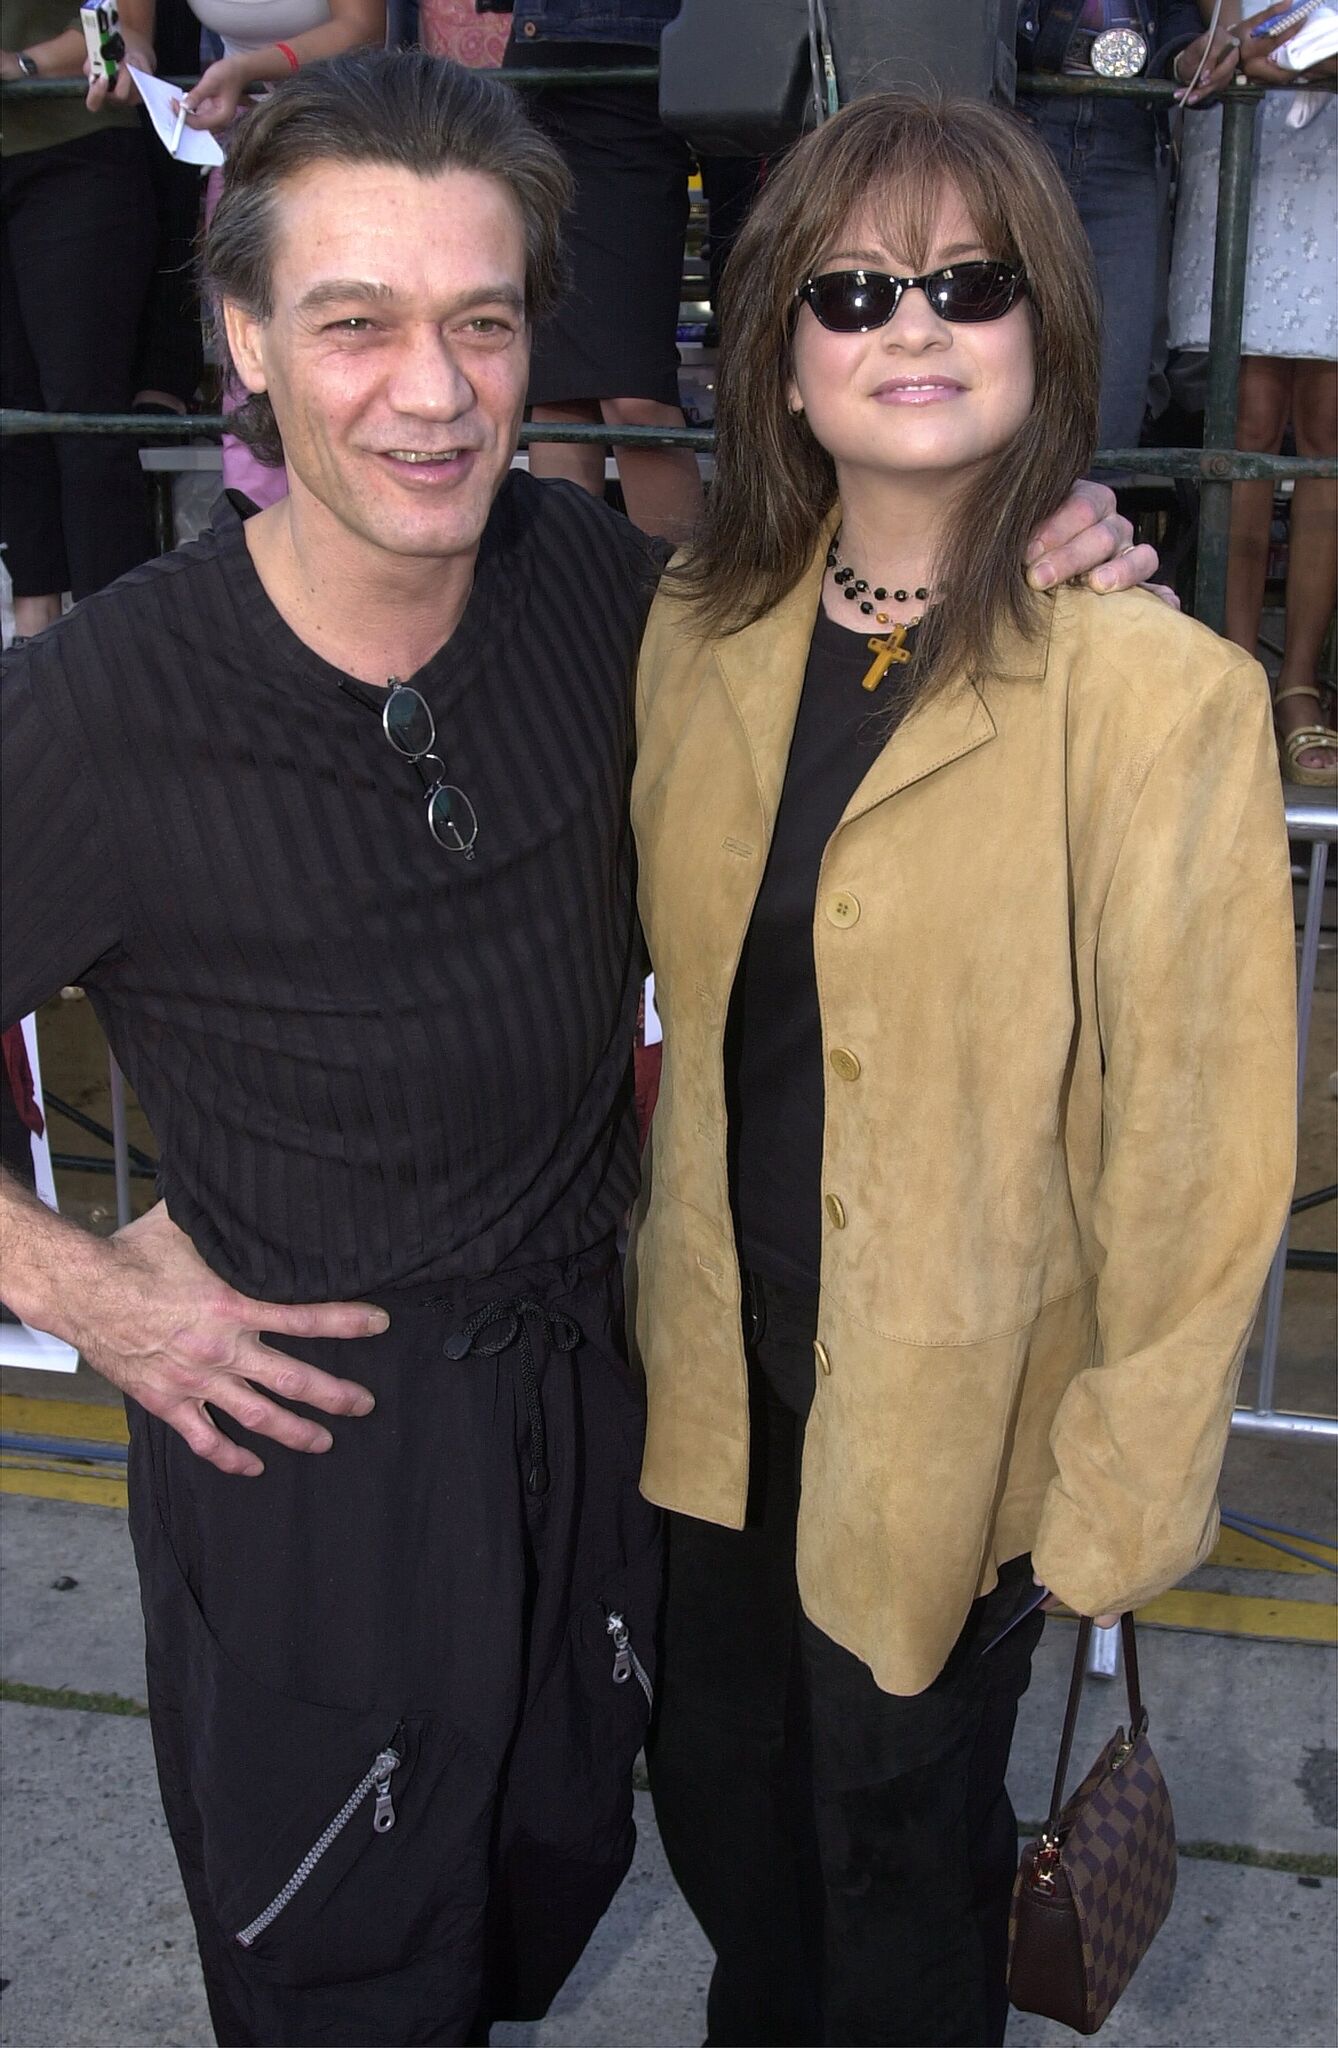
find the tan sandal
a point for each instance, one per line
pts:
(1305, 740)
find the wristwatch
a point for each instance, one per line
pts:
(28, 66)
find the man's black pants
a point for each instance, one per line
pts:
(849, 1854)
(394, 1714)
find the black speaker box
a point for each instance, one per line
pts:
(736, 80)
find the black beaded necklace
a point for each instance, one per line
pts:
(855, 589)
(891, 650)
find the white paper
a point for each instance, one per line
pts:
(1315, 40)
(654, 1028)
(197, 145)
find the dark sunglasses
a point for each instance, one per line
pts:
(408, 724)
(853, 301)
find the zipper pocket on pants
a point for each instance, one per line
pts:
(377, 1780)
(626, 1663)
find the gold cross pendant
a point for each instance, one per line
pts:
(884, 653)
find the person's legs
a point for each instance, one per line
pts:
(171, 352)
(81, 249)
(29, 479)
(662, 487)
(917, 1837)
(564, 1834)
(727, 1763)
(579, 462)
(1110, 160)
(1263, 408)
(375, 1629)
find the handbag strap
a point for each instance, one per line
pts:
(1137, 1715)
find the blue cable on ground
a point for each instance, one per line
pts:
(1245, 1525)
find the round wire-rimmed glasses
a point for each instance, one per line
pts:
(408, 724)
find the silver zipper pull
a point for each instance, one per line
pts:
(622, 1649)
(383, 1815)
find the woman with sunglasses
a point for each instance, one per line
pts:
(970, 916)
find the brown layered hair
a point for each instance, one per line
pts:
(893, 155)
(400, 108)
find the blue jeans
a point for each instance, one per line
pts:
(1116, 166)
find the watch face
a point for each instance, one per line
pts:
(1119, 53)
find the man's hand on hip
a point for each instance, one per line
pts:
(147, 1313)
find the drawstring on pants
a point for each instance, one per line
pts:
(496, 1327)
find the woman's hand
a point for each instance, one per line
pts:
(139, 52)
(1222, 54)
(1088, 537)
(1256, 54)
(1052, 1604)
(212, 104)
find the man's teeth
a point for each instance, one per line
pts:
(417, 455)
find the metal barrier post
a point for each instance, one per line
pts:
(1320, 826)
(1103, 1653)
(1228, 313)
(162, 509)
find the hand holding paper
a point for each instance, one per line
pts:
(166, 111)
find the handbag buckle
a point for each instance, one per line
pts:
(1047, 1862)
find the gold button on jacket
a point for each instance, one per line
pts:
(843, 910)
(1072, 991)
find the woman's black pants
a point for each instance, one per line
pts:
(850, 1854)
(77, 237)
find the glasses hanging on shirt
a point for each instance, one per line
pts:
(408, 724)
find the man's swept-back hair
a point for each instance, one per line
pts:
(888, 159)
(401, 108)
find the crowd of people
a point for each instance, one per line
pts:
(960, 861)
(77, 183)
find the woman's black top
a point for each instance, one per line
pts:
(367, 1061)
(773, 1044)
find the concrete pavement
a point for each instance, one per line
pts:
(96, 1940)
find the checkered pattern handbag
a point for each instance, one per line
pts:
(1092, 1892)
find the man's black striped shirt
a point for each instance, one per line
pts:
(367, 1061)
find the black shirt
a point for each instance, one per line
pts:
(367, 1061)
(773, 1046)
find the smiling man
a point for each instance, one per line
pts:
(365, 948)
(327, 811)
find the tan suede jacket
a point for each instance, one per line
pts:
(1054, 947)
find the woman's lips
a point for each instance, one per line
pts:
(918, 394)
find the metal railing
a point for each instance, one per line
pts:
(1215, 467)
(1317, 824)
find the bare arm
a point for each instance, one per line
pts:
(60, 56)
(353, 25)
(147, 1313)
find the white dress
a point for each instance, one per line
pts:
(254, 24)
(1291, 288)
